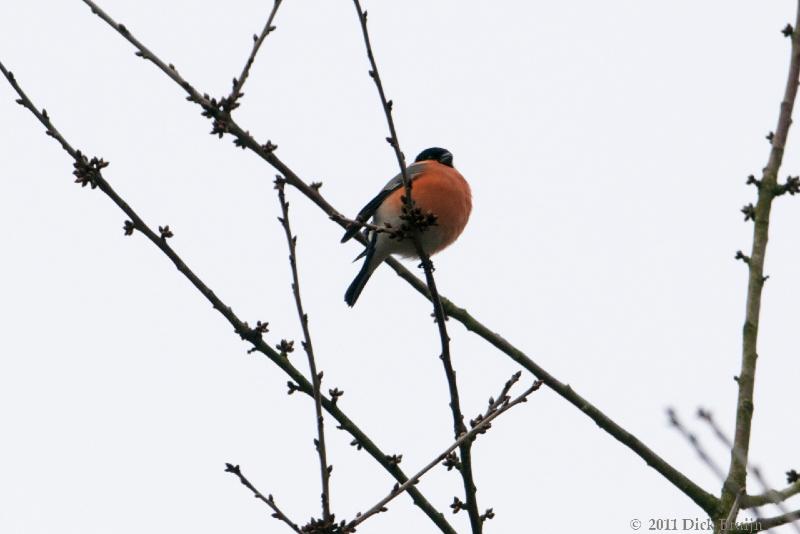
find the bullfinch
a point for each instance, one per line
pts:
(437, 188)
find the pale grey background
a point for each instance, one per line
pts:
(607, 145)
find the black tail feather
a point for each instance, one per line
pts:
(353, 292)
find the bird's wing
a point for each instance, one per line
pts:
(392, 185)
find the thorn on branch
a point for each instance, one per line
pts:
(356, 444)
(742, 256)
(165, 232)
(269, 147)
(488, 514)
(292, 387)
(129, 227)
(788, 30)
(770, 136)
(315, 185)
(749, 212)
(262, 328)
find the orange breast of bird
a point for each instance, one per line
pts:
(440, 190)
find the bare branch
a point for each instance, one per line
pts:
(316, 378)
(771, 496)
(702, 498)
(238, 83)
(89, 172)
(772, 522)
(737, 471)
(455, 403)
(269, 501)
(495, 410)
(695, 443)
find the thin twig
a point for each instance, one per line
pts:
(455, 403)
(772, 522)
(316, 378)
(243, 138)
(238, 83)
(731, 519)
(502, 405)
(387, 228)
(767, 190)
(771, 496)
(695, 443)
(269, 500)
(91, 174)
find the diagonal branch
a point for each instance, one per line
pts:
(771, 496)
(768, 189)
(268, 500)
(503, 404)
(438, 311)
(238, 83)
(89, 173)
(316, 378)
(695, 443)
(243, 138)
(772, 522)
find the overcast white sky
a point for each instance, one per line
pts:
(607, 145)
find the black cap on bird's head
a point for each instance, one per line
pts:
(441, 155)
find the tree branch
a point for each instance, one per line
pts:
(438, 311)
(503, 404)
(238, 83)
(316, 378)
(771, 496)
(767, 190)
(269, 501)
(695, 443)
(762, 525)
(89, 173)
(243, 138)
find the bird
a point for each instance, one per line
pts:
(438, 189)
